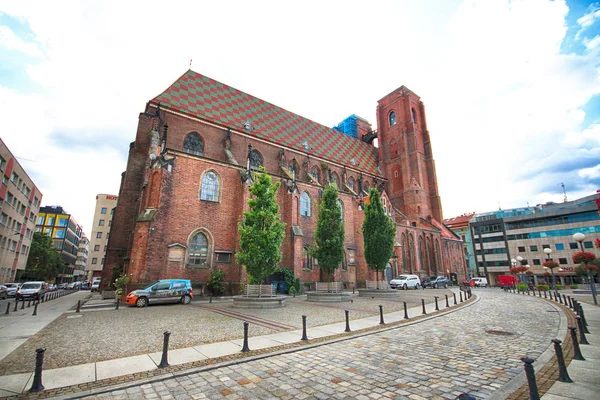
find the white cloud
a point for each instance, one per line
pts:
(590, 18)
(499, 94)
(11, 42)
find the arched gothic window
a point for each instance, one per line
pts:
(293, 167)
(392, 118)
(193, 144)
(307, 260)
(256, 160)
(315, 174)
(413, 115)
(335, 179)
(341, 207)
(210, 187)
(198, 250)
(305, 205)
(350, 183)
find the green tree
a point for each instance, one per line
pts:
(44, 260)
(379, 231)
(261, 230)
(215, 282)
(329, 235)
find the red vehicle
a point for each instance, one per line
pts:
(506, 281)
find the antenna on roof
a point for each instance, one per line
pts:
(564, 191)
(190, 63)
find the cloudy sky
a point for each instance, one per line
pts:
(511, 88)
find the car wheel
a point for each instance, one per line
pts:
(445, 286)
(405, 287)
(186, 299)
(141, 302)
(435, 285)
(416, 286)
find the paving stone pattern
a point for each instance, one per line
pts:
(436, 359)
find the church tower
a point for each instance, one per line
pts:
(405, 155)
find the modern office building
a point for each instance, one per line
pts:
(66, 234)
(19, 204)
(82, 257)
(504, 235)
(103, 213)
(460, 226)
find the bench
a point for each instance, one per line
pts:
(259, 291)
(329, 287)
(373, 285)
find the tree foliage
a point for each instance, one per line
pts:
(44, 260)
(329, 235)
(261, 230)
(379, 231)
(215, 282)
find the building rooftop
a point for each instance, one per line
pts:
(198, 96)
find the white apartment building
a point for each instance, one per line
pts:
(105, 205)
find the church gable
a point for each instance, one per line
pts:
(199, 96)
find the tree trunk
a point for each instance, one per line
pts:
(377, 278)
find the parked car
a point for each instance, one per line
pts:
(507, 281)
(51, 287)
(3, 292)
(436, 282)
(163, 291)
(85, 286)
(406, 282)
(95, 286)
(477, 282)
(62, 286)
(12, 288)
(32, 290)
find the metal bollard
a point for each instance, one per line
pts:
(582, 315)
(35, 304)
(78, 306)
(381, 322)
(423, 305)
(533, 389)
(43, 297)
(545, 294)
(28, 303)
(23, 304)
(447, 304)
(245, 347)
(454, 295)
(405, 311)
(210, 300)
(437, 308)
(563, 375)
(565, 300)
(461, 298)
(16, 304)
(118, 302)
(550, 294)
(570, 302)
(347, 321)
(582, 338)
(304, 336)
(576, 350)
(37, 377)
(7, 308)
(163, 360)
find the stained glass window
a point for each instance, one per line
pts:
(210, 187)
(305, 205)
(198, 250)
(193, 144)
(256, 160)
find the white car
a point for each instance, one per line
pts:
(95, 286)
(406, 282)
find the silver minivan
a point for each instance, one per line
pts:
(406, 282)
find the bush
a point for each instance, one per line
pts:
(573, 286)
(297, 285)
(543, 287)
(559, 286)
(292, 291)
(522, 287)
(215, 282)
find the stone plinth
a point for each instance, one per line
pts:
(259, 302)
(378, 294)
(326, 297)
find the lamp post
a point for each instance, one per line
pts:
(529, 280)
(548, 252)
(520, 260)
(513, 262)
(580, 237)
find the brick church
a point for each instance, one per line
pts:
(186, 185)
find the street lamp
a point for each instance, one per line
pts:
(513, 262)
(520, 260)
(580, 237)
(527, 270)
(548, 252)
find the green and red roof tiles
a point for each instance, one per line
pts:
(199, 96)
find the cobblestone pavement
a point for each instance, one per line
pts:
(436, 359)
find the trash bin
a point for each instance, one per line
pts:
(281, 287)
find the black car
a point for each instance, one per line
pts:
(436, 282)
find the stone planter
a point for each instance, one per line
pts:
(328, 297)
(378, 293)
(108, 294)
(259, 302)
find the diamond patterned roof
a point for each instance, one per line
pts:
(199, 96)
